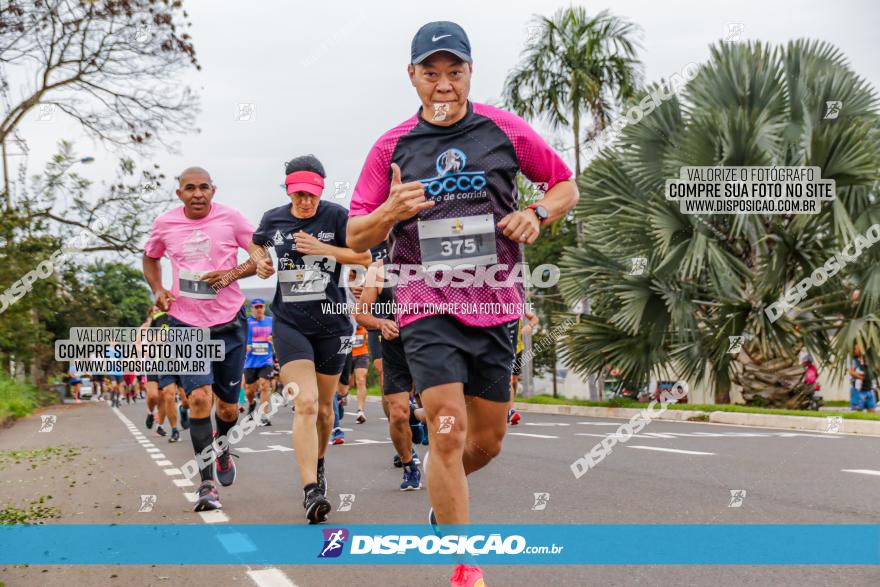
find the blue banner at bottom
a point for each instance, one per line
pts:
(603, 544)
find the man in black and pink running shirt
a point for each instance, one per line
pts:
(441, 188)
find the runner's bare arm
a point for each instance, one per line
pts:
(366, 319)
(260, 254)
(523, 226)
(405, 200)
(309, 245)
(559, 199)
(153, 275)
(347, 256)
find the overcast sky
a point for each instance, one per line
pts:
(329, 77)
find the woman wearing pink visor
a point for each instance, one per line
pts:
(308, 235)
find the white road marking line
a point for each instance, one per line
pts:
(214, 517)
(157, 455)
(183, 483)
(611, 434)
(270, 578)
(154, 449)
(164, 463)
(599, 423)
(191, 497)
(531, 435)
(861, 471)
(172, 471)
(684, 452)
(270, 448)
(545, 424)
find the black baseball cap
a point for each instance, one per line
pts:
(441, 36)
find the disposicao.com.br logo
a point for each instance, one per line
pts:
(402, 544)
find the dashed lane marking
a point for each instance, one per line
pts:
(531, 435)
(657, 448)
(270, 578)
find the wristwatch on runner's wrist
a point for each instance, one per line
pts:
(540, 212)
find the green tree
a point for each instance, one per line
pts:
(576, 67)
(548, 301)
(712, 276)
(124, 287)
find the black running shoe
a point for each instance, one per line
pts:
(322, 479)
(251, 408)
(161, 431)
(397, 462)
(149, 421)
(175, 436)
(209, 499)
(317, 506)
(226, 468)
(184, 417)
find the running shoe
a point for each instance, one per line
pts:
(175, 435)
(412, 478)
(338, 437)
(161, 431)
(322, 479)
(360, 417)
(467, 576)
(226, 468)
(150, 419)
(264, 421)
(397, 462)
(208, 499)
(316, 505)
(184, 417)
(513, 418)
(432, 519)
(415, 458)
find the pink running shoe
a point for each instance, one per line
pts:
(467, 576)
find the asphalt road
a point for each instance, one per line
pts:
(786, 477)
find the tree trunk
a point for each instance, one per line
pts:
(772, 381)
(722, 393)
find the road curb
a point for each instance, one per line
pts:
(805, 423)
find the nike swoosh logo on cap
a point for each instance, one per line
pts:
(435, 39)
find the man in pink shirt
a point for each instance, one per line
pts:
(441, 188)
(201, 238)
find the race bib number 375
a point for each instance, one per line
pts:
(457, 242)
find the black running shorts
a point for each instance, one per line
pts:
(374, 345)
(345, 376)
(225, 375)
(440, 349)
(517, 364)
(397, 378)
(326, 352)
(264, 372)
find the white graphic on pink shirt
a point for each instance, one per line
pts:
(196, 247)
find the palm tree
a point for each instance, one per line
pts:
(575, 67)
(711, 277)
